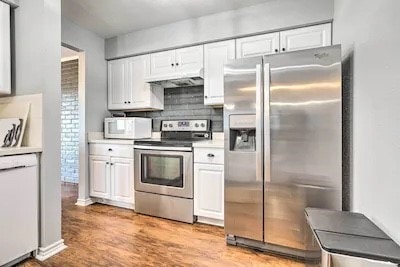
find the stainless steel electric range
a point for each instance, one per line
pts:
(164, 170)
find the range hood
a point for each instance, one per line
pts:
(178, 80)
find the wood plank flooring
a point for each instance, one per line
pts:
(100, 235)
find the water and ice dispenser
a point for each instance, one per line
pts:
(242, 130)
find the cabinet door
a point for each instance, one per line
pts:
(189, 59)
(5, 49)
(137, 90)
(122, 179)
(215, 56)
(257, 45)
(209, 191)
(162, 63)
(117, 84)
(99, 176)
(307, 37)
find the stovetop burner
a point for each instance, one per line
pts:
(180, 133)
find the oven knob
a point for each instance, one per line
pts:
(165, 125)
(170, 125)
(203, 125)
(196, 125)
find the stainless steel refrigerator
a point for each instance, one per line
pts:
(283, 147)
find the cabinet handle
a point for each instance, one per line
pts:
(107, 162)
(129, 102)
(283, 49)
(276, 50)
(111, 163)
(210, 155)
(177, 64)
(172, 64)
(110, 149)
(205, 96)
(125, 102)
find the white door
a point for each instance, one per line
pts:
(307, 37)
(137, 90)
(117, 84)
(122, 179)
(209, 191)
(189, 59)
(257, 45)
(99, 176)
(162, 64)
(5, 49)
(215, 56)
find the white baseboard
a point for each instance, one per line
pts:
(119, 204)
(51, 250)
(211, 221)
(84, 202)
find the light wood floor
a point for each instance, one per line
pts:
(100, 235)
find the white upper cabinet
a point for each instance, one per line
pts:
(307, 37)
(5, 49)
(162, 63)
(257, 45)
(215, 56)
(189, 59)
(116, 84)
(127, 89)
(174, 63)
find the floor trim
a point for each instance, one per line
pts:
(84, 202)
(51, 250)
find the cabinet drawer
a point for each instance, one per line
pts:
(113, 150)
(209, 155)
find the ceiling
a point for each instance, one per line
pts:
(109, 18)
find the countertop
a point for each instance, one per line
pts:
(9, 151)
(215, 143)
(111, 141)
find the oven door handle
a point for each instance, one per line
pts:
(166, 148)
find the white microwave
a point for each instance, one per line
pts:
(127, 128)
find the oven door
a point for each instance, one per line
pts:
(164, 172)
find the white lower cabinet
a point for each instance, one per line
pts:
(209, 190)
(111, 176)
(122, 179)
(99, 176)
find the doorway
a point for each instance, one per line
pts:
(72, 118)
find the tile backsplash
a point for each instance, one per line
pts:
(184, 103)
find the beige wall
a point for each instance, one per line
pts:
(37, 69)
(369, 34)
(271, 16)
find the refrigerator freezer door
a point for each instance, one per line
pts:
(305, 143)
(243, 167)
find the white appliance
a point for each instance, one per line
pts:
(127, 128)
(19, 201)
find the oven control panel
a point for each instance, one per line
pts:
(186, 125)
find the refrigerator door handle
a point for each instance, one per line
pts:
(267, 136)
(259, 123)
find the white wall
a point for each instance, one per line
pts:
(369, 34)
(37, 69)
(273, 15)
(95, 91)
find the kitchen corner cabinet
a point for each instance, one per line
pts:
(305, 38)
(5, 51)
(257, 45)
(127, 89)
(111, 174)
(209, 185)
(179, 62)
(215, 56)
